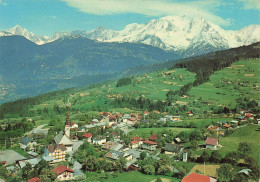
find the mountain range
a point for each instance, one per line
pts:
(185, 36)
(31, 65)
(28, 69)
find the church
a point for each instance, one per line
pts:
(64, 136)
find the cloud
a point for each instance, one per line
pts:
(53, 17)
(251, 4)
(3, 3)
(198, 8)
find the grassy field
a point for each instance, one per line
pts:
(138, 177)
(146, 132)
(223, 87)
(204, 122)
(245, 134)
(210, 170)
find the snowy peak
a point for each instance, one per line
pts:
(18, 30)
(180, 33)
(184, 35)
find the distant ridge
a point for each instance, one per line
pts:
(183, 35)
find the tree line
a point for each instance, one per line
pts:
(206, 65)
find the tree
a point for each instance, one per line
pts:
(26, 170)
(225, 173)
(204, 156)
(3, 171)
(90, 164)
(232, 158)
(252, 164)
(196, 135)
(143, 155)
(149, 169)
(47, 175)
(164, 160)
(244, 149)
(215, 156)
(120, 164)
(194, 145)
(163, 169)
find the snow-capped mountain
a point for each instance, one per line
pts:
(182, 34)
(17, 30)
(186, 36)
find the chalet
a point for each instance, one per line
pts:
(249, 116)
(3, 163)
(112, 146)
(258, 121)
(36, 179)
(146, 113)
(234, 122)
(194, 177)
(177, 140)
(116, 135)
(61, 138)
(176, 118)
(189, 113)
(172, 149)
(95, 121)
(156, 112)
(153, 137)
(98, 140)
(73, 125)
(217, 129)
(228, 126)
(27, 143)
(149, 145)
(242, 111)
(211, 143)
(63, 173)
(114, 155)
(126, 117)
(57, 151)
(88, 136)
(136, 142)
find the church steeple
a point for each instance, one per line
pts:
(67, 119)
(67, 125)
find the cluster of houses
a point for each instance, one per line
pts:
(63, 142)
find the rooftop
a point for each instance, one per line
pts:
(61, 169)
(194, 177)
(211, 141)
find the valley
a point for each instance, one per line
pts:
(145, 114)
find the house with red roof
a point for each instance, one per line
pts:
(136, 142)
(88, 136)
(149, 145)
(146, 113)
(153, 137)
(211, 143)
(36, 179)
(73, 125)
(63, 173)
(189, 113)
(194, 177)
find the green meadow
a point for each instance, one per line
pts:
(250, 133)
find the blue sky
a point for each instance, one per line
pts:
(45, 17)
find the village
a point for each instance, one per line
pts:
(110, 136)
